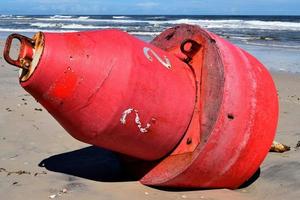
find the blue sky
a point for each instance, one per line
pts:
(160, 7)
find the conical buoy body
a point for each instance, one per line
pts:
(109, 89)
(202, 106)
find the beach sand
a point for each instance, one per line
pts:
(39, 160)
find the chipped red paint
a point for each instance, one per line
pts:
(204, 109)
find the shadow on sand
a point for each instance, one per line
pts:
(98, 164)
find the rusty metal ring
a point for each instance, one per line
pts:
(19, 62)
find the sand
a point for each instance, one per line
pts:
(39, 160)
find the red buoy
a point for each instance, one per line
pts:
(189, 98)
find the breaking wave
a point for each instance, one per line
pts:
(261, 29)
(121, 17)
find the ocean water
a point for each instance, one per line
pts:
(274, 40)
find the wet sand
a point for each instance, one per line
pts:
(39, 160)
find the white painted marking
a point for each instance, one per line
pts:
(139, 124)
(124, 115)
(166, 62)
(136, 120)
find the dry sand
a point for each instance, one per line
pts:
(30, 139)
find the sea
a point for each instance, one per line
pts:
(274, 40)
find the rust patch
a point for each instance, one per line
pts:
(25, 54)
(38, 49)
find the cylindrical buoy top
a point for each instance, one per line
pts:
(30, 51)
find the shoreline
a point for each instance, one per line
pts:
(30, 136)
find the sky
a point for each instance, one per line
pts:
(151, 7)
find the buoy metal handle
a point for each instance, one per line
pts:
(25, 54)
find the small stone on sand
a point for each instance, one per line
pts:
(64, 190)
(8, 109)
(52, 196)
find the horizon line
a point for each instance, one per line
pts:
(293, 15)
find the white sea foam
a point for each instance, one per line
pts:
(121, 17)
(80, 26)
(61, 17)
(46, 25)
(83, 17)
(156, 17)
(6, 16)
(246, 38)
(11, 17)
(144, 33)
(210, 24)
(72, 26)
(236, 24)
(277, 25)
(111, 21)
(274, 45)
(33, 30)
